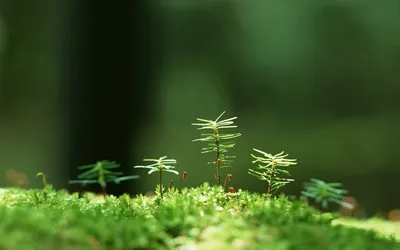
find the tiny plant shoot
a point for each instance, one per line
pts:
(183, 176)
(218, 142)
(227, 178)
(159, 165)
(43, 179)
(324, 193)
(100, 173)
(269, 165)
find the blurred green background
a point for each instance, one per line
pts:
(318, 79)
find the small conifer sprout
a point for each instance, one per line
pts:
(100, 172)
(218, 142)
(324, 193)
(160, 165)
(268, 169)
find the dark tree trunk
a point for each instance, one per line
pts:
(107, 83)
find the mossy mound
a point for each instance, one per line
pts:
(198, 218)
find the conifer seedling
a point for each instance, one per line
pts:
(160, 165)
(218, 142)
(324, 193)
(268, 169)
(100, 172)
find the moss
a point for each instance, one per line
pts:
(382, 226)
(203, 218)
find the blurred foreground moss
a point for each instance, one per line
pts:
(198, 218)
(382, 226)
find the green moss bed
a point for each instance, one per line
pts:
(205, 217)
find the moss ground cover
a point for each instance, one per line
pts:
(205, 217)
(380, 225)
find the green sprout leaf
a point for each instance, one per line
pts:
(218, 142)
(324, 193)
(99, 173)
(160, 166)
(268, 169)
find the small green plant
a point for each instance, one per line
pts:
(227, 178)
(159, 165)
(100, 173)
(269, 165)
(324, 193)
(183, 176)
(43, 179)
(218, 143)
